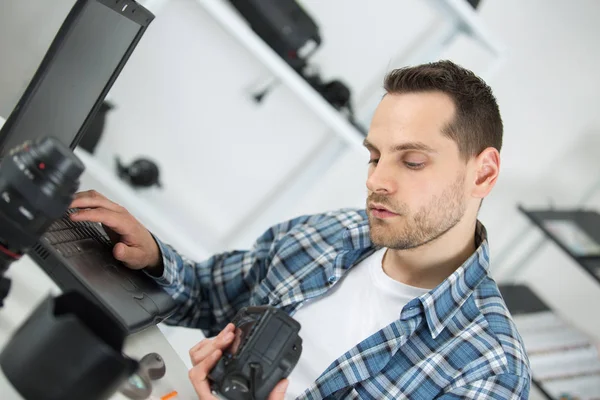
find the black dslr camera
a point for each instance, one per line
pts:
(265, 350)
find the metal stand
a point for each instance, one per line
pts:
(513, 269)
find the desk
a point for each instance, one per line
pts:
(30, 285)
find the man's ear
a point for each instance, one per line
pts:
(487, 168)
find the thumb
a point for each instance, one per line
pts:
(130, 256)
(278, 392)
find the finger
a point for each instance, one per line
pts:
(224, 339)
(198, 376)
(278, 392)
(131, 256)
(113, 220)
(229, 328)
(212, 345)
(200, 355)
(112, 235)
(194, 350)
(207, 346)
(93, 199)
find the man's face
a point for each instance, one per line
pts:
(416, 184)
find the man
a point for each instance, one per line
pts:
(395, 301)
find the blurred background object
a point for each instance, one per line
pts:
(140, 173)
(92, 136)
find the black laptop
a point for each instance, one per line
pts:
(85, 58)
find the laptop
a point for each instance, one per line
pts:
(82, 63)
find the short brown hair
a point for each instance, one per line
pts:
(477, 124)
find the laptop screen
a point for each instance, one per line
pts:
(83, 61)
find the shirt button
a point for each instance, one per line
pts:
(331, 280)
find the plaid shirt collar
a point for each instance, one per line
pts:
(441, 303)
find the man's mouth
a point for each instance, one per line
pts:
(380, 211)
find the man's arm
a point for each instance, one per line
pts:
(497, 387)
(211, 292)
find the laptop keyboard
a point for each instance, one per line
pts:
(70, 238)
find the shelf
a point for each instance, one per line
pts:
(576, 232)
(470, 23)
(232, 22)
(520, 300)
(562, 358)
(463, 16)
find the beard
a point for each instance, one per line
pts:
(429, 222)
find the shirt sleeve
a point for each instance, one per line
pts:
(497, 387)
(211, 292)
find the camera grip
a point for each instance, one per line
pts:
(266, 349)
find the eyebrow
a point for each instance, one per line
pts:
(418, 146)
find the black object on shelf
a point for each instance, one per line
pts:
(93, 132)
(294, 35)
(140, 173)
(577, 232)
(474, 3)
(285, 26)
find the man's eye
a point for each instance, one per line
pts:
(374, 161)
(414, 165)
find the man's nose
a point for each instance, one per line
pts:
(381, 179)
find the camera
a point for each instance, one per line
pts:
(265, 350)
(37, 183)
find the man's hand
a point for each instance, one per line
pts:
(135, 246)
(204, 357)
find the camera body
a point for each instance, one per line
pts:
(265, 350)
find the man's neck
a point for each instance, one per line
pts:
(427, 266)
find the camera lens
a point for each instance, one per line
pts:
(56, 166)
(37, 183)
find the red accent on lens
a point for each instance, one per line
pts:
(9, 253)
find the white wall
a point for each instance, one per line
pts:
(26, 30)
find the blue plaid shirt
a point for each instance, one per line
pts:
(457, 341)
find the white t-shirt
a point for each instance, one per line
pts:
(362, 303)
